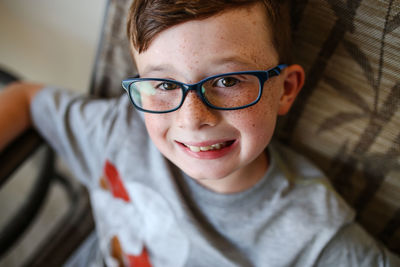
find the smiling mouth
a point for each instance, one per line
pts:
(212, 147)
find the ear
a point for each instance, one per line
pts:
(293, 82)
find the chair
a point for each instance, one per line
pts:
(346, 119)
(75, 224)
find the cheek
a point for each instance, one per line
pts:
(257, 123)
(157, 126)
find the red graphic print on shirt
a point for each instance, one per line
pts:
(112, 181)
(142, 260)
(123, 259)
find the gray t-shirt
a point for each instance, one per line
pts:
(147, 209)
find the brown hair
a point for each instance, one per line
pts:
(147, 18)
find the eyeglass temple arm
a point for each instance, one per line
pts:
(277, 70)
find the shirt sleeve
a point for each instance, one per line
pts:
(78, 128)
(353, 246)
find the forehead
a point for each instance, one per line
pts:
(240, 37)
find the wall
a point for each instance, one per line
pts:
(51, 41)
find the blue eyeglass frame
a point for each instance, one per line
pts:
(262, 75)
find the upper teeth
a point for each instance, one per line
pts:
(206, 148)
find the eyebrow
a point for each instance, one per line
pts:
(157, 68)
(239, 61)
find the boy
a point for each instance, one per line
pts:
(213, 81)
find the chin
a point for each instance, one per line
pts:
(201, 176)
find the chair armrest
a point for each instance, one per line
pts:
(17, 152)
(11, 159)
(75, 226)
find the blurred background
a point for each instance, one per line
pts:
(52, 42)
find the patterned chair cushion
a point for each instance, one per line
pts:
(347, 117)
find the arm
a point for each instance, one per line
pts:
(15, 116)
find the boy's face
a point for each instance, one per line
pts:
(237, 40)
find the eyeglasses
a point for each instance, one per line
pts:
(228, 91)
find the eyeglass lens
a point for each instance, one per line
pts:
(227, 91)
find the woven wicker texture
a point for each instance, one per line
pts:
(347, 118)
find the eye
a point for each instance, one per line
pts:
(167, 86)
(226, 82)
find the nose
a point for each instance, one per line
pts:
(194, 114)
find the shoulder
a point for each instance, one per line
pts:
(87, 112)
(347, 243)
(311, 200)
(353, 246)
(293, 164)
(308, 187)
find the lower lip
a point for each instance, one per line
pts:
(210, 154)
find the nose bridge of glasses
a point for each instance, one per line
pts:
(196, 87)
